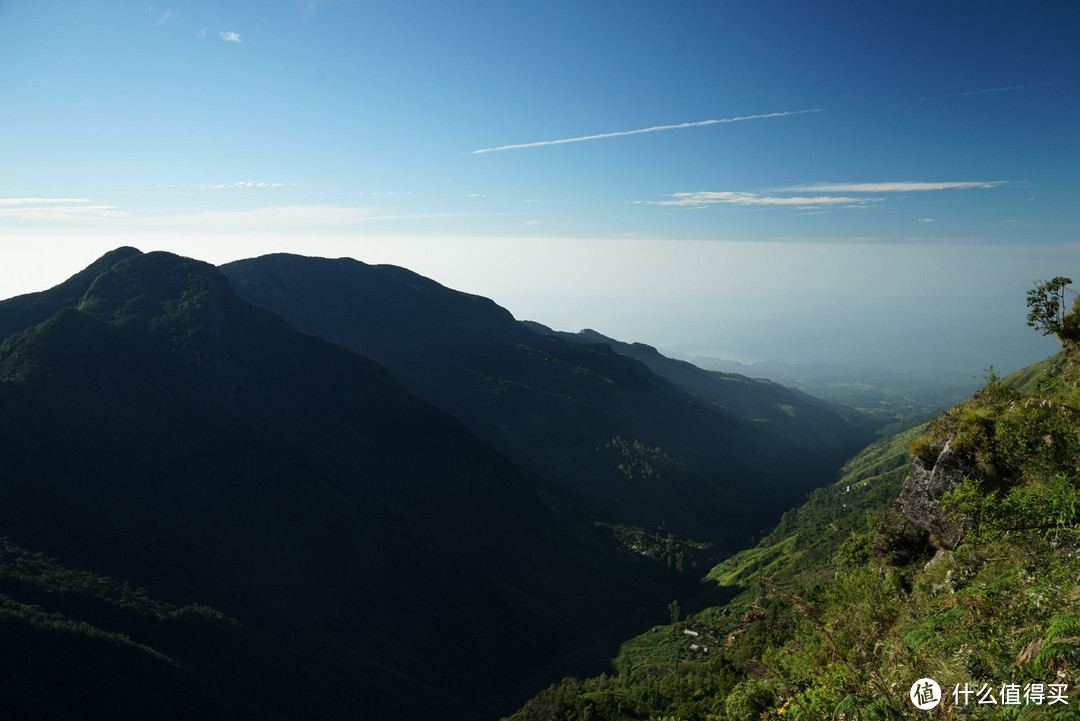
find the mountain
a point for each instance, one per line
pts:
(734, 392)
(709, 457)
(205, 513)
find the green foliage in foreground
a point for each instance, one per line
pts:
(822, 630)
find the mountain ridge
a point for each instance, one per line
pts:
(577, 416)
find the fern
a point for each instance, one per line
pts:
(1062, 640)
(857, 707)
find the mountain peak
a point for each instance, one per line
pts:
(153, 286)
(30, 309)
(174, 314)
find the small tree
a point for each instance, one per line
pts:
(1046, 306)
(675, 612)
(748, 700)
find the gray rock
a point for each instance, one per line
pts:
(916, 518)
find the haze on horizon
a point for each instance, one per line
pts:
(777, 180)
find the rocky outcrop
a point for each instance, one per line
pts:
(916, 519)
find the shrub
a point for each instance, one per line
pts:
(748, 699)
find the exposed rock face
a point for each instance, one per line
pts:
(916, 518)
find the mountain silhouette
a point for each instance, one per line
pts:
(707, 455)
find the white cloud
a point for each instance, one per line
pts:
(41, 201)
(240, 184)
(654, 129)
(703, 198)
(890, 187)
(926, 220)
(806, 201)
(230, 36)
(55, 209)
(165, 18)
(532, 222)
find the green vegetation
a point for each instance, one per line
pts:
(1016, 437)
(99, 600)
(19, 566)
(636, 460)
(677, 553)
(816, 627)
(807, 537)
(1027, 379)
(667, 672)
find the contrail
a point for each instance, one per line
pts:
(1004, 90)
(654, 129)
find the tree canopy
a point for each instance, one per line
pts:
(1046, 305)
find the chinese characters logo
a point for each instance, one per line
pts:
(925, 694)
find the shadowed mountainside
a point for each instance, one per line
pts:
(593, 425)
(205, 513)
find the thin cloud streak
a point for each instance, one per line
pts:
(240, 184)
(891, 187)
(701, 199)
(803, 201)
(62, 212)
(640, 131)
(55, 209)
(40, 201)
(1004, 90)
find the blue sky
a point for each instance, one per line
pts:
(719, 162)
